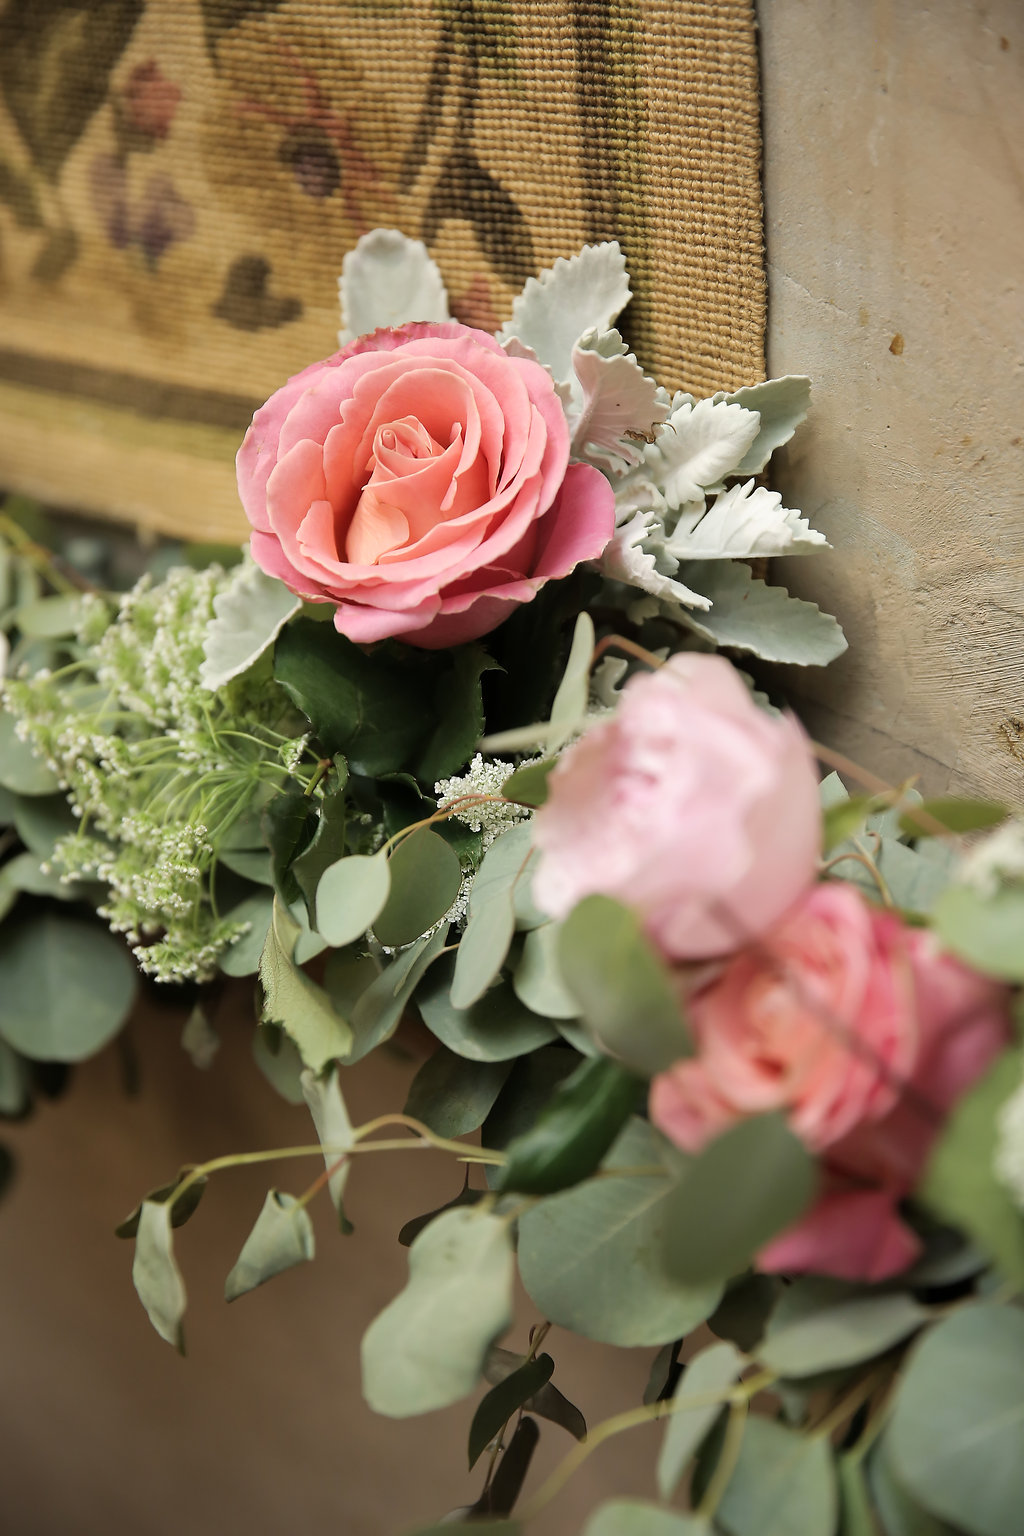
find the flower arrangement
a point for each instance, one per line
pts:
(465, 737)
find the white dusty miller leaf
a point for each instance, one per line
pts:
(387, 280)
(582, 293)
(743, 522)
(626, 559)
(615, 397)
(333, 1126)
(782, 405)
(748, 615)
(701, 443)
(248, 616)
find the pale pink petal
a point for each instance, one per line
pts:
(853, 1235)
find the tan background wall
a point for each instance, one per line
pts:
(894, 137)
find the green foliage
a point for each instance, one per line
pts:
(573, 1131)
(327, 1106)
(713, 1370)
(425, 876)
(350, 896)
(590, 1256)
(956, 815)
(822, 1331)
(986, 931)
(749, 615)
(782, 405)
(181, 1210)
(960, 1183)
(289, 822)
(249, 613)
(633, 1517)
(376, 1014)
(537, 979)
(784, 1485)
(957, 1427)
(529, 784)
(156, 1275)
(568, 712)
(21, 770)
(302, 1009)
(67, 987)
(252, 919)
(501, 1402)
(281, 1238)
(547, 1402)
(453, 1096)
(498, 1027)
(327, 843)
(499, 901)
(771, 1180)
(427, 1348)
(623, 988)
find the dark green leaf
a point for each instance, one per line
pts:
(529, 784)
(956, 815)
(453, 1096)
(364, 704)
(740, 1191)
(957, 1431)
(42, 820)
(281, 1238)
(744, 1310)
(20, 769)
(15, 1090)
(289, 822)
(960, 1183)
(425, 879)
(664, 1373)
(181, 1210)
(547, 1403)
(457, 713)
(496, 1028)
(986, 931)
(589, 1256)
(784, 1485)
(845, 819)
(411, 1230)
(502, 1401)
(67, 987)
(573, 1132)
(507, 1482)
(624, 990)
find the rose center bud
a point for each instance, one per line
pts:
(401, 449)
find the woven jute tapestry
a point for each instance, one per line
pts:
(179, 180)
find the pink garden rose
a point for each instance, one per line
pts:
(865, 1034)
(691, 805)
(420, 481)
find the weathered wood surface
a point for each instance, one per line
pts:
(894, 140)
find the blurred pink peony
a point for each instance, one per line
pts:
(420, 481)
(691, 805)
(865, 1035)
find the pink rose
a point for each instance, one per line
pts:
(419, 480)
(691, 804)
(865, 1035)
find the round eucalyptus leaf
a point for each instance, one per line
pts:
(67, 987)
(350, 897)
(784, 1484)
(425, 876)
(956, 1440)
(496, 1028)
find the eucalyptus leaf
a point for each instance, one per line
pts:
(771, 1179)
(25, 873)
(288, 823)
(547, 1402)
(529, 784)
(282, 1237)
(537, 979)
(351, 895)
(621, 985)
(183, 1208)
(510, 1474)
(855, 1329)
(279, 1061)
(302, 1009)
(333, 1127)
(242, 956)
(425, 877)
(199, 1039)
(955, 814)
(633, 1517)
(956, 1435)
(156, 1275)
(20, 769)
(714, 1370)
(50, 618)
(42, 820)
(248, 617)
(375, 1016)
(856, 1515)
(15, 1091)
(899, 1514)
(326, 847)
(427, 1348)
(986, 931)
(453, 1096)
(498, 1027)
(67, 985)
(960, 1182)
(253, 864)
(784, 1484)
(589, 1257)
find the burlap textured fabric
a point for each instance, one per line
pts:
(179, 180)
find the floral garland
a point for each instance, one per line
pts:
(741, 1044)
